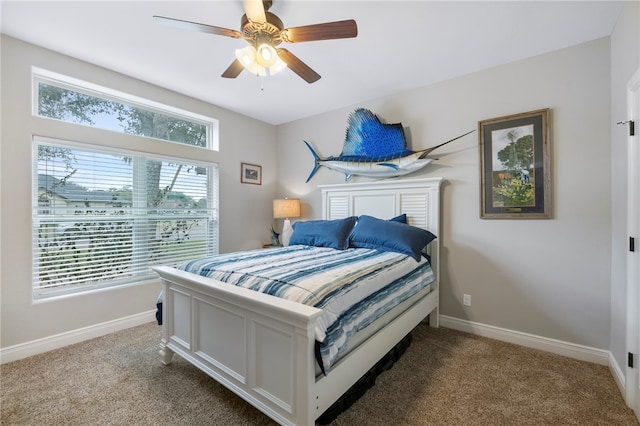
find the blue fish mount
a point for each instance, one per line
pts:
(368, 139)
(374, 149)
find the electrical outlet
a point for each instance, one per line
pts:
(466, 299)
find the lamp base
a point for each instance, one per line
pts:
(287, 231)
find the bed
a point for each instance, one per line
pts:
(263, 347)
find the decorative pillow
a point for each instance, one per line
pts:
(323, 233)
(402, 218)
(388, 235)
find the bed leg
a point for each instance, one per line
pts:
(434, 318)
(167, 354)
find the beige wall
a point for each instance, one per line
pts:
(545, 277)
(245, 210)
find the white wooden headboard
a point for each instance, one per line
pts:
(418, 198)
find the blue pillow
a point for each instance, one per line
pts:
(323, 233)
(388, 235)
(402, 218)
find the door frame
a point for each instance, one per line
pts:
(632, 376)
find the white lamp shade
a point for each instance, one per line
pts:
(246, 56)
(284, 209)
(266, 55)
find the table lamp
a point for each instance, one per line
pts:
(285, 209)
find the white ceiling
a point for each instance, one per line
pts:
(400, 45)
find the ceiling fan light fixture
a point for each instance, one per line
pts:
(246, 56)
(249, 60)
(266, 55)
(278, 66)
(264, 32)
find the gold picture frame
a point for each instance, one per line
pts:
(515, 166)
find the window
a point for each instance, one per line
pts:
(73, 101)
(104, 216)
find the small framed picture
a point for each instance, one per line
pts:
(515, 171)
(251, 173)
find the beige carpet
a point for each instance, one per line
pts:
(445, 378)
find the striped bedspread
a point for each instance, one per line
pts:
(352, 287)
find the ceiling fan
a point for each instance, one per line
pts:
(264, 31)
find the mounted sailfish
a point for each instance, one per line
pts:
(374, 149)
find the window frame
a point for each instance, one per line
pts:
(69, 134)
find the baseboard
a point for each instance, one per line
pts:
(34, 347)
(572, 350)
(618, 374)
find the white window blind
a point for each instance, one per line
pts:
(105, 218)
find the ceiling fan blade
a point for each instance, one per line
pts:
(326, 31)
(234, 69)
(203, 28)
(297, 66)
(254, 9)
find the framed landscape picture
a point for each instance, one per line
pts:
(515, 174)
(250, 173)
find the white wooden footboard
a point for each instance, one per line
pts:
(263, 348)
(259, 346)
